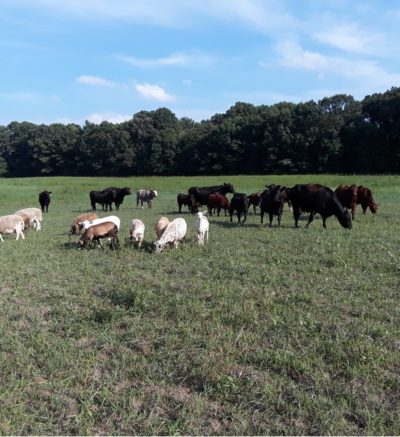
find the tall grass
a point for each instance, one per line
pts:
(262, 331)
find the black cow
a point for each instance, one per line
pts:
(104, 198)
(118, 195)
(44, 200)
(199, 195)
(240, 204)
(271, 202)
(317, 199)
(183, 199)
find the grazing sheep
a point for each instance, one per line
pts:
(160, 226)
(111, 218)
(174, 233)
(76, 226)
(35, 216)
(99, 231)
(12, 223)
(202, 226)
(136, 231)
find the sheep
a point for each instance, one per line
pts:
(12, 223)
(76, 226)
(99, 231)
(136, 231)
(35, 216)
(202, 226)
(173, 234)
(160, 226)
(111, 218)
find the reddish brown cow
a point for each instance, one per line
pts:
(254, 199)
(217, 201)
(364, 197)
(347, 195)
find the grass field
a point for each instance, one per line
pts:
(262, 331)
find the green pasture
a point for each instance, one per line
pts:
(262, 331)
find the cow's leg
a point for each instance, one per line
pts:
(271, 217)
(324, 222)
(364, 208)
(296, 215)
(310, 219)
(353, 211)
(279, 218)
(262, 215)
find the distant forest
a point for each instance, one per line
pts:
(334, 135)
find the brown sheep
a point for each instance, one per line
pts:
(99, 231)
(76, 227)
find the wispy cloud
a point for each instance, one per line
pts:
(96, 81)
(154, 92)
(112, 117)
(173, 60)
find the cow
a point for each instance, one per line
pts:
(183, 199)
(240, 204)
(199, 195)
(104, 198)
(118, 195)
(317, 199)
(272, 200)
(347, 195)
(254, 199)
(364, 197)
(44, 200)
(145, 196)
(217, 201)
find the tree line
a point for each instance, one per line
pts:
(337, 134)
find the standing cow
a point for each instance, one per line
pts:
(347, 195)
(145, 196)
(44, 200)
(240, 204)
(272, 200)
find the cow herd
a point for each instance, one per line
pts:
(311, 198)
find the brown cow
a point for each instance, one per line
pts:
(217, 201)
(347, 195)
(364, 197)
(254, 199)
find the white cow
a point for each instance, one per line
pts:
(174, 233)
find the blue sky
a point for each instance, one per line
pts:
(75, 60)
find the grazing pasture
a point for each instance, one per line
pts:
(260, 331)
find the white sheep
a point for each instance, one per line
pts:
(111, 218)
(136, 231)
(160, 226)
(12, 223)
(35, 216)
(202, 226)
(174, 233)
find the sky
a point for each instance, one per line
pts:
(68, 61)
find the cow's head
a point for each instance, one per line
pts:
(229, 188)
(374, 207)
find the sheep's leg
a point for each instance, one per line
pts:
(1, 238)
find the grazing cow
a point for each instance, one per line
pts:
(254, 199)
(161, 225)
(76, 225)
(145, 196)
(136, 232)
(272, 200)
(317, 199)
(104, 198)
(217, 201)
(240, 204)
(98, 231)
(118, 195)
(183, 199)
(44, 200)
(364, 197)
(347, 195)
(174, 233)
(200, 195)
(202, 227)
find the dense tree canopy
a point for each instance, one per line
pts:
(336, 134)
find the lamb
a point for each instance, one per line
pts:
(12, 223)
(174, 233)
(202, 226)
(136, 231)
(98, 231)
(111, 218)
(76, 226)
(160, 226)
(35, 216)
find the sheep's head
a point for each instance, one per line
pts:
(158, 246)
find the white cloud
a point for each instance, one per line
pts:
(112, 117)
(95, 81)
(154, 92)
(173, 60)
